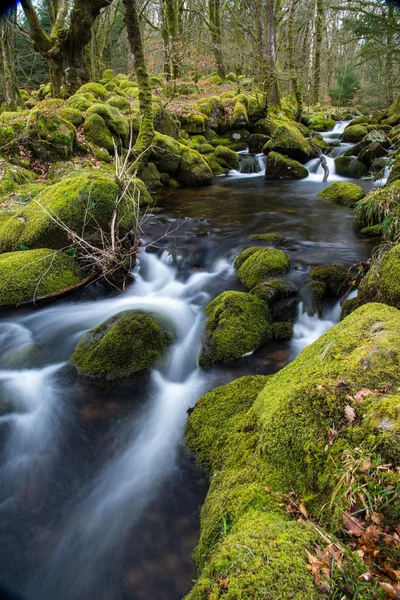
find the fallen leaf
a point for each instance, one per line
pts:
(367, 576)
(267, 489)
(391, 573)
(223, 583)
(371, 535)
(350, 413)
(365, 467)
(303, 510)
(390, 590)
(359, 396)
(377, 518)
(352, 525)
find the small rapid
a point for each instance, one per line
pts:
(307, 329)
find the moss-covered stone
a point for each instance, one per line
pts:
(371, 152)
(280, 167)
(28, 274)
(195, 122)
(382, 282)
(290, 142)
(73, 115)
(275, 290)
(354, 133)
(374, 231)
(268, 238)
(167, 123)
(50, 136)
(97, 132)
(96, 89)
(193, 169)
(13, 176)
(348, 166)
(166, 154)
(319, 122)
(121, 346)
(393, 114)
(85, 201)
(230, 157)
(119, 102)
(381, 207)
(257, 142)
(151, 176)
(348, 307)
(335, 278)
(347, 193)
(283, 331)
(237, 324)
(254, 265)
(81, 102)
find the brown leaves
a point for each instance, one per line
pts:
(223, 583)
(392, 591)
(353, 526)
(359, 396)
(349, 413)
(322, 566)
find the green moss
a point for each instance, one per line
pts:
(193, 169)
(275, 290)
(348, 166)
(382, 282)
(228, 156)
(283, 330)
(13, 176)
(237, 324)
(354, 133)
(335, 278)
(239, 117)
(96, 89)
(381, 207)
(268, 238)
(50, 136)
(256, 264)
(73, 115)
(166, 153)
(195, 122)
(88, 199)
(290, 142)
(121, 346)
(348, 307)
(280, 167)
(97, 132)
(393, 114)
(151, 176)
(81, 102)
(119, 102)
(29, 274)
(319, 122)
(372, 231)
(346, 192)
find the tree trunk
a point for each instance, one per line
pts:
(214, 9)
(292, 65)
(7, 44)
(171, 19)
(146, 131)
(319, 16)
(64, 49)
(266, 41)
(390, 50)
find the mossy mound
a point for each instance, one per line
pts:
(348, 307)
(121, 346)
(354, 133)
(346, 192)
(335, 279)
(237, 323)
(319, 122)
(50, 136)
(166, 154)
(382, 282)
(371, 152)
(293, 433)
(280, 167)
(254, 265)
(290, 142)
(393, 114)
(97, 132)
(268, 238)
(13, 176)
(82, 203)
(97, 90)
(29, 274)
(274, 290)
(230, 157)
(348, 166)
(374, 231)
(193, 170)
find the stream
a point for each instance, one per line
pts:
(98, 499)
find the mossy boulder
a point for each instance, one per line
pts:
(274, 290)
(335, 279)
(97, 132)
(260, 438)
(50, 137)
(254, 265)
(121, 346)
(237, 324)
(73, 115)
(371, 152)
(257, 142)
(283, 331)
(348, 307)
(290, 142)
(268, 238)
(382, 282)
(348, 166)
(80, 101)
(319, 122)
(193, 170)
(280, 167)
(195, 122)
(167, 123)
(13, 176)
(229, 157)
(374, 231)
(97, 90)
(119, 102)
(82, 203)
(28, 274)
(166, 154)
(347, 193)
(393, 112)
(354, 133)
(381, 207)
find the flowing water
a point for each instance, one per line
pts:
(98, 499)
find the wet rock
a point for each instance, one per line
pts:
(280, 167)
(256, 142)
(254, 265)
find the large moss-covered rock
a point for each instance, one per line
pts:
(335, 279)
(300, 431)
(354, 133)
(97, 132)
(280, 167)
(254, 265)
(371, 152)
(193, 168)
(82, 203)
(230, 157)
(257, 142)
(382, 282)
(346, 192)
(166, 154)
(319, 122)
(28, 274)
(393, 114)
(348, 166)
(96, 89)
(13, 176)
(290, 142)
(121, 346)
(237, 323)
(50, 137)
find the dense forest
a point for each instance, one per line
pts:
(200, 299)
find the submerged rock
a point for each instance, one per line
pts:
(237, 323)
(280, 167)
(268, 238)
(254, 265)
(29, 274)
(335, 279)
(121, 346)
(346, 192)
